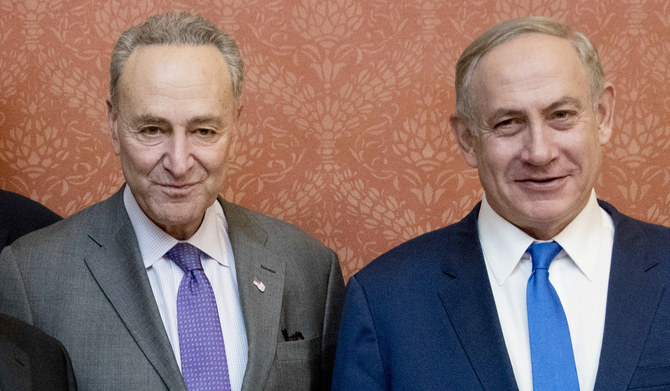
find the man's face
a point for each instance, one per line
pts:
(538, 146)
(172, 128)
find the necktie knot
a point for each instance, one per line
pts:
(186, 256)
(543, 253)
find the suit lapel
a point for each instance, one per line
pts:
(117, 266)
(468, 301)
(261, 304)
(634, 293)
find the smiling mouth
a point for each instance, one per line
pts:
(540, 180)
(542, 183)
(177, 190)
(177, 186)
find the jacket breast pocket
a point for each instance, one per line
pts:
(299, 350)
(297, 365)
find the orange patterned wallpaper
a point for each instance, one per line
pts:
(345, 126)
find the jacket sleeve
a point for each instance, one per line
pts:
(331, 321)
(13, 298)
(358, 362)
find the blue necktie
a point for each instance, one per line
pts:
(202, 350)
(550, 347)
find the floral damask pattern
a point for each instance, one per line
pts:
(345, 130)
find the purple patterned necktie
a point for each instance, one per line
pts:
(203, 353)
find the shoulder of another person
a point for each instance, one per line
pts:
(23, 333)
(71, 233)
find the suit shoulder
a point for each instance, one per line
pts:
(282, 235)
(26, 335)
(21, 215)
(99, 216)
(627, 227)
(423, 255)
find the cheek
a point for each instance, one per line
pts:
(585, 151)
(494, 157)
(213, 160)
(139, 160)
(218, 156)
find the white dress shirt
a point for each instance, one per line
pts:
(219, 266)
(579, 273)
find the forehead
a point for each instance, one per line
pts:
(530, 68)
(175, 71)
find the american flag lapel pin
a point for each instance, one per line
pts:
(259, 285)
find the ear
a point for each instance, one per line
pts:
(113, 120)
(466, 139)
(238, 112)
(606, 113)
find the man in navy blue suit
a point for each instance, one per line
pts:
(448, 310)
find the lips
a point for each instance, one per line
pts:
(177, 190)
(173, 186)
(541, 180)
(544, 183)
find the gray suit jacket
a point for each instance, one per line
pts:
(82, 281)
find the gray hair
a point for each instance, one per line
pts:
(176, 29)
(508, 30)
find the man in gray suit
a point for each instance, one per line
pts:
(107, 282)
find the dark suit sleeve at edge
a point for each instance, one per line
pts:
(331, 321)
(13, 299)
(358, 364)
(69, 373)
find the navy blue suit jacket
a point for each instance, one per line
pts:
(423, 317)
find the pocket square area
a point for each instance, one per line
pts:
(297, 336)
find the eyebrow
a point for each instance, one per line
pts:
(563, 101)
(199, 120)
(500, 113)
(214, 120)
(147, 119)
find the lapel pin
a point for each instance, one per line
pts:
(259, 285)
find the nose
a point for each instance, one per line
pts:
(538, 145)
(178, 159)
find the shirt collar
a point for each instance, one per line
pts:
(154, 242)
(503, 244)
(581, 239)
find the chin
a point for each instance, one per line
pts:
(548, 217)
